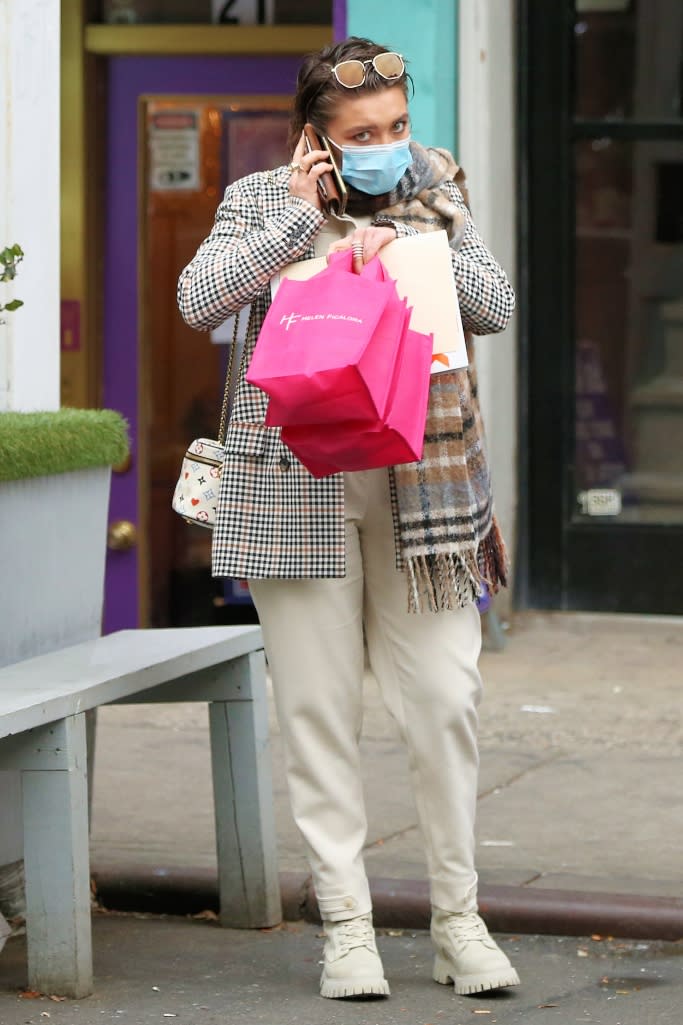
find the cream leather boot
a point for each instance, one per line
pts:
(466, 954)
(351, 963)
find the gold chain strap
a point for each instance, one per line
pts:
(223, 425)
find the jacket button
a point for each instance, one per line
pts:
(285, 462)
(349, 903)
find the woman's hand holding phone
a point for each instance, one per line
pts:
(307, 168)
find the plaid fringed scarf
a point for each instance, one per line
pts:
(450, 542)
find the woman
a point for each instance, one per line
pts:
(396, 556)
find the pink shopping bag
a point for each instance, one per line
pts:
(397, 437)
(328, 346)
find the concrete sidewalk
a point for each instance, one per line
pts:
(150, 971)
(582, 753)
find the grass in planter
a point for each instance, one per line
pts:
(43, 444)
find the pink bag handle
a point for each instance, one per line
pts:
(374, 270)
(343, 261)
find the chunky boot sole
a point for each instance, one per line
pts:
(338, 989)
(478, 983)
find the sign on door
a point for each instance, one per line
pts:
(174, 150)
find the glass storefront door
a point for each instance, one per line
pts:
(602, 103)
(628, 252)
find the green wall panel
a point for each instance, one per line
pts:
(425, 32)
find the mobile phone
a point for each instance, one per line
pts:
(331, 187)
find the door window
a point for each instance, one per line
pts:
(627, 59)
(628, 260)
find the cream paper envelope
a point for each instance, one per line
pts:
(422, 269)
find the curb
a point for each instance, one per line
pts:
(404, 903)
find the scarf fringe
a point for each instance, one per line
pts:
(442, 583)
(493, 560)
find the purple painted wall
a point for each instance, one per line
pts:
(339, 20)
(128, 79)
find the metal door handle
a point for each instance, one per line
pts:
(122, 535)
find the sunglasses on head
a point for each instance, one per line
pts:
(352, 73)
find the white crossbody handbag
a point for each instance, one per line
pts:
(196, 494)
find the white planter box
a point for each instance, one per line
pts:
(52, 554)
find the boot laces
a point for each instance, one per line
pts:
(355, 932)
(467, 927)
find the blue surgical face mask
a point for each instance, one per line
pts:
(375, 169)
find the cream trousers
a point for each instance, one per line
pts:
(426, 668)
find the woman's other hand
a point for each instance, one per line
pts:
(306, 168)
(365, 242)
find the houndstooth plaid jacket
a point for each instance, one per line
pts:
(273, 518)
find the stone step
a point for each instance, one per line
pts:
(663, 392)
(665, 488)
(652, 513)
(658, 427)
(674, 352)
(658, 444)
(672, 318)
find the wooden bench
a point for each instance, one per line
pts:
(43, 702)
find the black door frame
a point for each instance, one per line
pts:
(567, 563)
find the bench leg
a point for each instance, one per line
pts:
(56, 859)
(243, 798)
(91, 738)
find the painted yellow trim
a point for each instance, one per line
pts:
(75, 376)
(205, 39)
